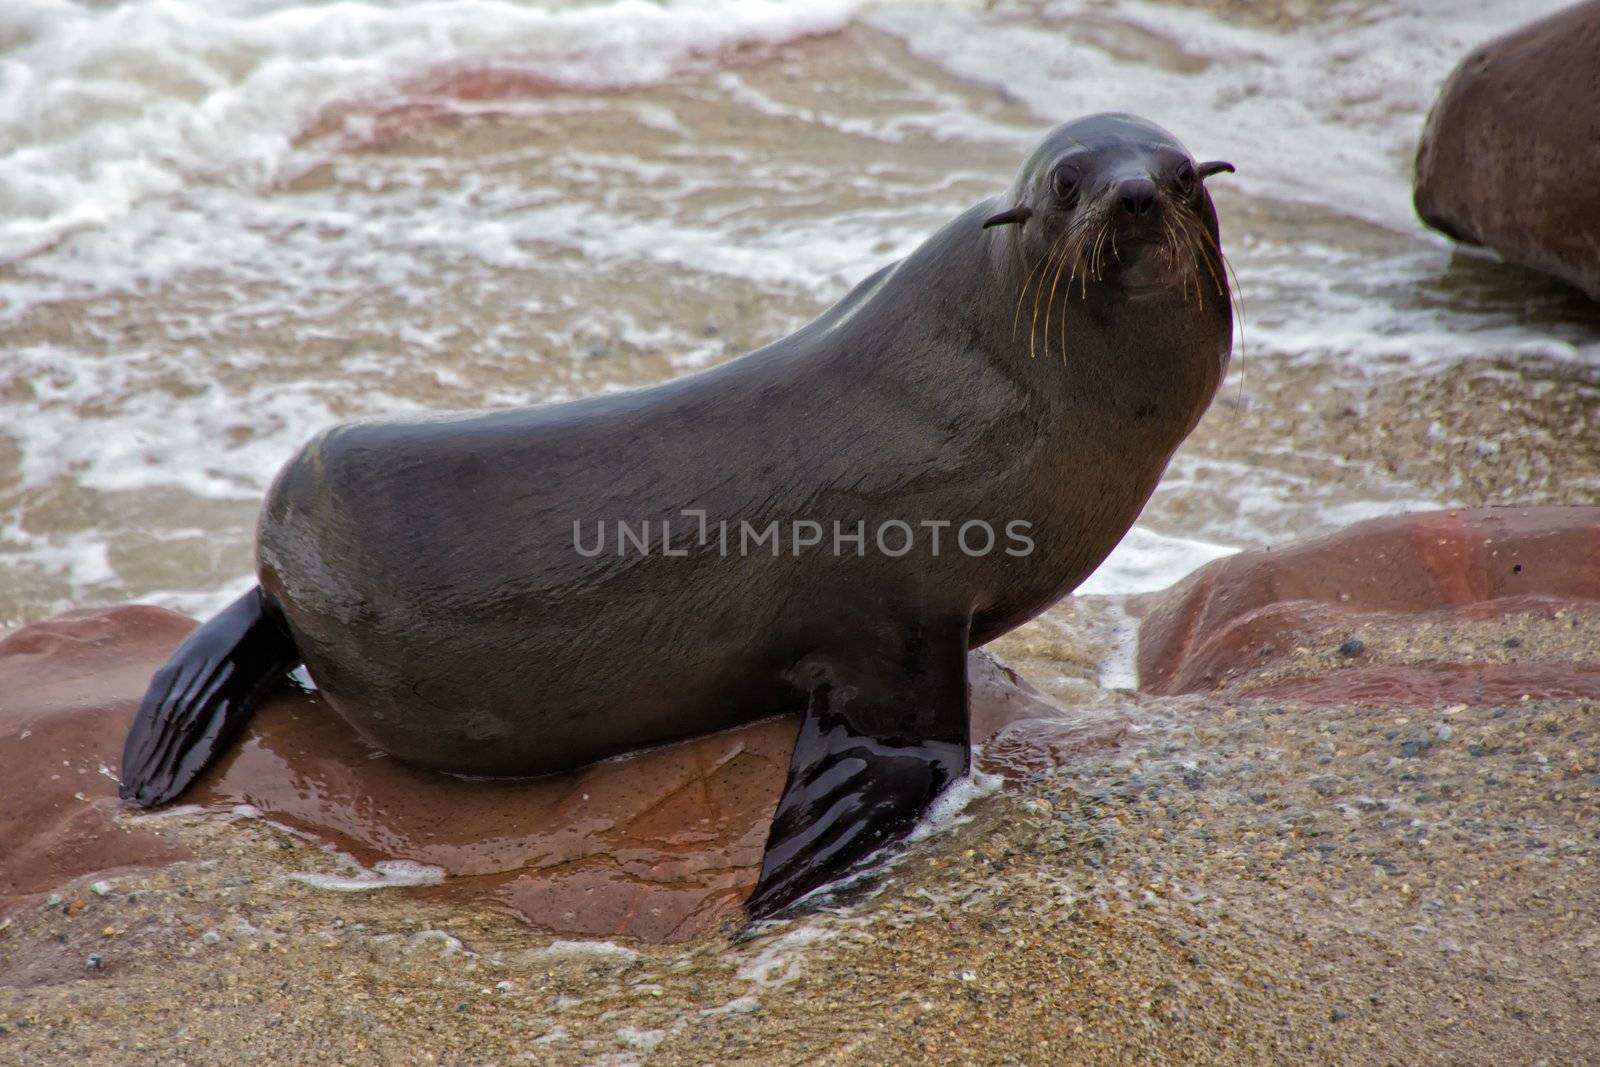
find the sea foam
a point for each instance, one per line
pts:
(102, 107)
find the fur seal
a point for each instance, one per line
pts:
(824, 525)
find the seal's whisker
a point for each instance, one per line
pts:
(1207, 249)
(1033, 326)
(1022, 294)
(1172, 247)
(1037, 274)
(1058, 253)
(1040, 298)
(1085, 260)
(1050, 302)
(1181, 250)
(1191, 253)
(1070, 262)
(1080, 240)
(1098, 258)
(1193, 245)
(1236, 296)
(1070, 255)
(1078, 262)
(1087, 265)
(1203, 246)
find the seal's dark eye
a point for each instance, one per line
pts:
(1184, 179)
(1064, 183)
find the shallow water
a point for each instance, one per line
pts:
(227, 225)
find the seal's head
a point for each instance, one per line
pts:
(1115, 201)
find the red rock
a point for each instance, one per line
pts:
(657, 846)
(1442, 683)
(1225, 623)
(660, 845)
(68, 688)
(476, 91)
(1511, 150)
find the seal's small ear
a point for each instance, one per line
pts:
(1018, 214)
(1216, 166)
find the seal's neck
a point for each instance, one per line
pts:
(967, 304)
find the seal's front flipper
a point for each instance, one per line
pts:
(883, 736)
(203, 696)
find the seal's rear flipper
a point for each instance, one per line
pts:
(881, 739)
(198, 702)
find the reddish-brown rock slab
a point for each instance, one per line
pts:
(1510, 152)
(1233, 623)
(67, 692)
(660, 845)
(476, 91)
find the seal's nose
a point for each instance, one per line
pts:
(1137, 194)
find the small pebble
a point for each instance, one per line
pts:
(1337, 1015)
(94, 962)
(210, 937)
(1352, 648)
(100, 889)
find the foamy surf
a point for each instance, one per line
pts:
(104, 107)
(1146, 561)
(1324, 112)
(385, 874)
